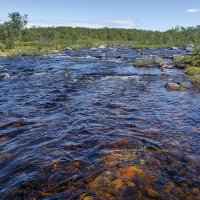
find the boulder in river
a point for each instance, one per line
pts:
(151, 61)
(103, 56)
(68, 49)
(144, 62)
(102, 47)
(176, 86)
(160, 62)
(93, 48)
(173, 48)
(189, 48)
(179, 61)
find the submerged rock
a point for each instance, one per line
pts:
(87, 198)
(129, 172)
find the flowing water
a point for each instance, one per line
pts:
(74, 126)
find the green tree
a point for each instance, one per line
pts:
(17, 21)
(11, 29)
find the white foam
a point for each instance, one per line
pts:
(121, 77)
(39, 74)
(5, 75)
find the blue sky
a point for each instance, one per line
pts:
(141, 14)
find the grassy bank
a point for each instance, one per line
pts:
(191, 65)
(20, 48)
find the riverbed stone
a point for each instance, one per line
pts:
(102, 47)
(174, 48)
(144, 62)
(87, 198)
(129, 172)
(151, 61)
(176, 86)
(159, 61)
(179, 61)
(68, 49)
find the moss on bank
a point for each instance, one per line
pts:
(191, 64)
(194, 73)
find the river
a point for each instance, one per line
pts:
(76, 125)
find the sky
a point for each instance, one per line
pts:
(141, 14)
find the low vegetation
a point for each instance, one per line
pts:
(191, 64)
(16, 39)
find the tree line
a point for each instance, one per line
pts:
(14, 32)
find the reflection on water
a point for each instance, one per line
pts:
(73, 126)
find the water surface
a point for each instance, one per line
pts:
(74, 126)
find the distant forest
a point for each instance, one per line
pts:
(15, 35)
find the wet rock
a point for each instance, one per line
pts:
(158, 61)
(93, 48)
(151, 61)
(68, 49)
(115, 158)
(129, 172)
(179, 61)
(55, 51)
(102, 181)
(189, 48)
(151, 192)
(130, 184)
(144, 62)
(16, 124)
(172, 86)
(5, 139)
(173, 48)
(103, 56)
(176, 86)
(164, 70)
(166, 66)
(119, 59)
(117, 185)
(68, 70)
(87, 198)
(102, 47)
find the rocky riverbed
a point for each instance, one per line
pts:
(100, 123)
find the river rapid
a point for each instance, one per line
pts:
(79, 125)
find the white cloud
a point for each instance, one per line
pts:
(114, 23)
(193, 10)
